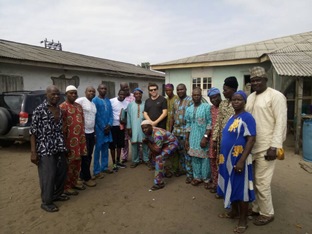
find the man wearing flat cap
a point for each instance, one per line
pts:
(268, 107)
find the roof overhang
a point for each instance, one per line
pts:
(165, 67)
(78, 68)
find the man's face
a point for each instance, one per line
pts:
(228, 91)
(137, 95)
(125, 87)
(169, 91)
(71, 96)
(121, 96)
(147, 129)
(215, 99)
(102, 89)
(258, 84)
(90, 93)
(153, 91)
(196, 96)
(53, 96)
(181, 91)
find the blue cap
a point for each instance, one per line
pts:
(138, 89)
(213, 91)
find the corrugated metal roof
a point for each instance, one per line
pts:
(248, 51)
(293, 60)
(30, 53)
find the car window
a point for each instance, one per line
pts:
(13, 102)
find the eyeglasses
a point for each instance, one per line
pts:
(151, 90)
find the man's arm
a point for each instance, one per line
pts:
(161, 117)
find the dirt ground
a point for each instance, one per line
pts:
(122, 202)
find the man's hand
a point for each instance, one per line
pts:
(107, 130)
(129, 130)
(203, 142)
(271, 154)
(34, 158)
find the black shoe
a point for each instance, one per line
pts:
(124, 161)
(120, 165)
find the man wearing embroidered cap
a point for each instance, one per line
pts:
(268, 107)
(74, 134)
(162, 145)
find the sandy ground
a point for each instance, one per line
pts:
(122, 203)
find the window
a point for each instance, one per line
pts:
(204, 83)
(132, 86)
(110, 89)
(11, 83)
(62, 82)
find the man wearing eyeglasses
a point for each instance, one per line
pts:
(155, 108)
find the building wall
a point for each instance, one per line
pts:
(218, 75)
(39, 78)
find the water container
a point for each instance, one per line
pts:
(307, 140)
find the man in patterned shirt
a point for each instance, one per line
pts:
(48, 149)
(177, 123)
(74, 133)
(162, 144)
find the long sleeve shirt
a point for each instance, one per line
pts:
(269, 109)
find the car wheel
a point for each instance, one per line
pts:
(5, 121)
(5, 143)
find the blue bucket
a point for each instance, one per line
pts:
(307, 140)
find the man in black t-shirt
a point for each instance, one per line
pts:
(155, 108)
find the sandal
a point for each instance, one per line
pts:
(168, 174)
(157, 186)
(188, 180)
(263, 220)
(214, 189)
(63, 197)
(196, 182)
(208, 185)
(49, 208)
(228, 215)
(134, 165)
(80, 187)
(240, 229)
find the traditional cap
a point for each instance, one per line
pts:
(138, 89)
(71, 88)
(242, 93)
(257, 72)
(146, 122)
(169, 86)
(231, 82)
(213, 91)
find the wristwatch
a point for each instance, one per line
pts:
(206, 136)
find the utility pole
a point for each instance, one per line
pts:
(51, 44)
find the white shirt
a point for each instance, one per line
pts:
(89, 111)
(117, 106)
(270, 112)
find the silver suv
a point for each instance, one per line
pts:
(16, 109)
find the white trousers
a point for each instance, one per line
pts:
(263, 174)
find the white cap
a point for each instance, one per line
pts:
(147, 122)
(71, 88)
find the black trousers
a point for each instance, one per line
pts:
(52, 175)
(86, 160)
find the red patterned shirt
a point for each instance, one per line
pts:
(73, 129)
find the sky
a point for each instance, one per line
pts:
(154, 31)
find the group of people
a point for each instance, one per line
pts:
(230, 146)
